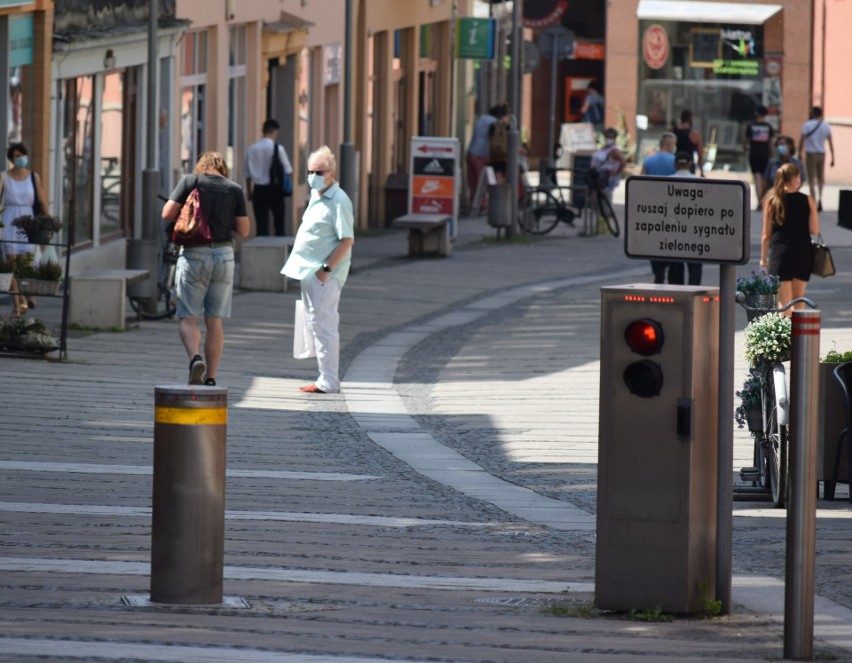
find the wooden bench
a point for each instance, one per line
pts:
(427, 233)
(99, 298)
(261, 260)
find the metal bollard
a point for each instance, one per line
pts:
(188, 519)
(801, 514)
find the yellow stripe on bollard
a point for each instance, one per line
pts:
(189, 416)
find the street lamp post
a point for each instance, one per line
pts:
(348, 154)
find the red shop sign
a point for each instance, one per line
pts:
(655, 46)
(543, 13)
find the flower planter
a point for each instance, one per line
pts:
(761, 302)
(832, 420)
(38, 287)
(39, 237)
(5, 280)
(754, 420)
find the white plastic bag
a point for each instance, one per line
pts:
(303, 339)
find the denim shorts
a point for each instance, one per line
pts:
(205, 282)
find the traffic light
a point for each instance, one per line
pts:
(657, 447)
(645, 377)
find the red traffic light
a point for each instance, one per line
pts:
(645, 337)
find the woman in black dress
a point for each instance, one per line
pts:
(789, 220)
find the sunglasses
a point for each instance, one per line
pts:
(316, 172)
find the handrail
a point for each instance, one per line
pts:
(741, 300)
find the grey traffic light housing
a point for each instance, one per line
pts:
(656, 520)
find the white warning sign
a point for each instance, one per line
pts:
(694, 219)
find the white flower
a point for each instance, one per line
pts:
(768, 338)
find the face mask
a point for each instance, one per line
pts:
(609, 141)
(21, 162)
(316, 182)
(782, 150)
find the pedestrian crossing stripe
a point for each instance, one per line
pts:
(190, 416)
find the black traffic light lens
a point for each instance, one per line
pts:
(644, 378)
(645, 337)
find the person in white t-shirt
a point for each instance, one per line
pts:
(266, 198)
(815, 133)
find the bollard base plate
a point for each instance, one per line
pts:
(144, 601)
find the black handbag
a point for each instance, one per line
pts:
(823, 262)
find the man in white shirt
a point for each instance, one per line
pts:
(815, 133)
(320, 259)
(265, 197)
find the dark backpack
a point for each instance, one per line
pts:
(277, 176)
(595, 114)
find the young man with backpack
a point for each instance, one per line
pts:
(266, 164)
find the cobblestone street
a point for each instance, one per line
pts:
(442, 507)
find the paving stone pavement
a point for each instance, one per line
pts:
(441, 508)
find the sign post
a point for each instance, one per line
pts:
(435, 180)
(700, 220)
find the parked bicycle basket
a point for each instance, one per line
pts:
(762, 302)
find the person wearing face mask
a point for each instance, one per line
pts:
(320, 259)
(21, 194)
(608, 162)
(785, 150)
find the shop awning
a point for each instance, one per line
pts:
(706, 12)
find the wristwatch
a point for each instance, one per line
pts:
(325, 267)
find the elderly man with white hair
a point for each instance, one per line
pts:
(322, 253)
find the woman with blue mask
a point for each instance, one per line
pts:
(21, 194)
(320, 259)
(785, 150)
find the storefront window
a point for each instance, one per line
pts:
(193, 99)
(236, 102)
(112, 116)
(20, 106)
(714, 70)
(78, 165)
(19, 124)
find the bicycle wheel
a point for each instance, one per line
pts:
(539, 212)
(166, 303)
(775, 450)
(608, 214)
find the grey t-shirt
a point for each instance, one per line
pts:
(221, 201)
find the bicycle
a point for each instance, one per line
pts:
(166, 302)
(541, 210)
(770, 470)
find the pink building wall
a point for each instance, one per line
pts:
(832, 90)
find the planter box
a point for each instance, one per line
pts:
(38, 287)
(832, 420)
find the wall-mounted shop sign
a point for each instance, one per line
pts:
(21, 40)
(655, 46)
(737, 67)
(540, 14)
(475, 38)
(720, 48)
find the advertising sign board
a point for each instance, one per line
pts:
(435, 178)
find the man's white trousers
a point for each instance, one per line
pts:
(321, 300)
